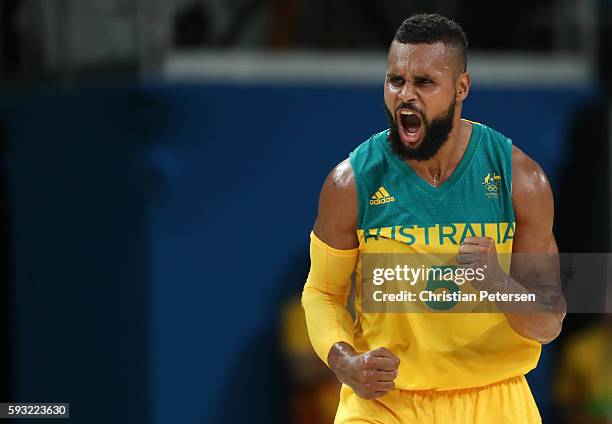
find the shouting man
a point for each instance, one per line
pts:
(434, 182)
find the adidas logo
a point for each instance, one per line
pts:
(381, 196)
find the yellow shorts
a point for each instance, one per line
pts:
(508, 401)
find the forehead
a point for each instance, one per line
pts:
(409, 58)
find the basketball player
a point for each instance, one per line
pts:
(433, 182)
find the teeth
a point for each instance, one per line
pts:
(406, 112)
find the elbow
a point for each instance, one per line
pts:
(548, 333)
(547, 338)
(543, 328)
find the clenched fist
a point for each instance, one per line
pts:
(480, 252)
(369, 374)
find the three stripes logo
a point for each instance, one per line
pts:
(381, 196)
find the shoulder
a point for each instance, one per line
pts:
(341, 179)
(527, 175)
(532, 198)
(337, 216)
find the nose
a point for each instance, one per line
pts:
(407, 93)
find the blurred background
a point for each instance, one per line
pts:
(161, 164)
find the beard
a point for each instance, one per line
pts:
(436, 134)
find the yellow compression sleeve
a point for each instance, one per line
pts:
(325, 295)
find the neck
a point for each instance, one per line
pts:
(439, 168)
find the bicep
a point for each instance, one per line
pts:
(532, 201)
(336, 221)
(535, 258)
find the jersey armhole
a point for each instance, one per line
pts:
(510, 171)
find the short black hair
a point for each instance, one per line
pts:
(433, 28)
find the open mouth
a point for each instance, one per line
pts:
(411, 126)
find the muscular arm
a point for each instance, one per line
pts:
(326, 291)
(333, 258)
(336, 222)
(535, 260)
(534, 267)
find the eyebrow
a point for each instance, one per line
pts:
(425, 76)
(417, 76)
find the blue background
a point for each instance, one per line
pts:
(158, 227)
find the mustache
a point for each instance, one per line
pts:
(409, 106)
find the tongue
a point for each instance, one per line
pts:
(413, 129)
(411, 123)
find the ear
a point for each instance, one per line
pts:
(463, 86)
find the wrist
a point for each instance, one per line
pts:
(497, 279)
(339, 354)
